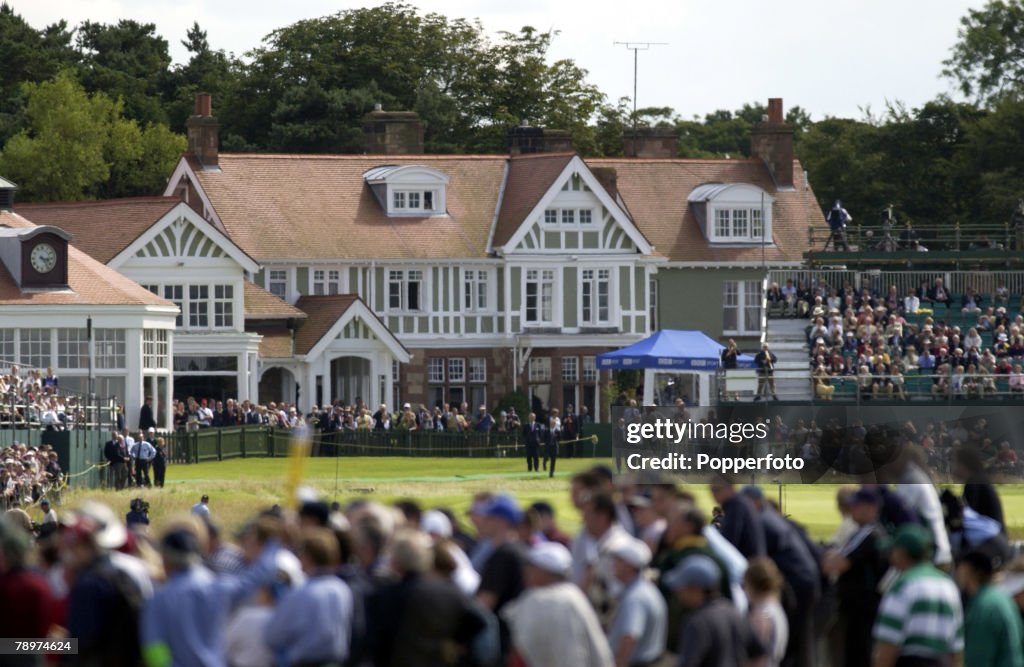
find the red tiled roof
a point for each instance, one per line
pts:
(89, 281)
(262, 305)
(104, 228)
(322, 312)
(656, 193)
(529, 177)
(319, 206)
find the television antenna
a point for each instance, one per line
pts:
(636, 48)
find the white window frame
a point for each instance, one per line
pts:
(199, 306)
(589, 373)
(278, 279)
(477, 370)
(403, 279)
(541, 276)
(570, 369)
(568, 217)
(652, 304)
(747, 306)
(36, 346)
(539, 369)
(324, 281)
(476, 290)
(435, 370)
(155, 350)
(413, 200)
(591, 280)
(727, 221)
(109, 349)
(456, 370)
(223, 302)
(72, 346)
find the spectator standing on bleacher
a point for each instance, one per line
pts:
(765, 362)
(146, 419)
(838, 218)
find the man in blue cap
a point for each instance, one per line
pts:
(715, 633)
(501, 577)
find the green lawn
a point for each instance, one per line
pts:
(239, 487)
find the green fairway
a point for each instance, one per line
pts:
(239, 487)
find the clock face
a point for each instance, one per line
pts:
(43, 258)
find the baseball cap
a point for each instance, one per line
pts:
(864, 496)
(181, 541)
(913, 538)
(551, 557)
(44, 503)
(436, 523)
(503, 507)
(543, 508)
(634, 552)
(697, 570)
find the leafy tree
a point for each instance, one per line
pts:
(208, 71)
(987, 62)
(27, 55)
(79, 146)
(127, 60)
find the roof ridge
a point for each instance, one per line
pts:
(681, 160)
(538, 156)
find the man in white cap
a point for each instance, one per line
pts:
(714, 633)
(639, 627)
(552, 624)
(439, 527)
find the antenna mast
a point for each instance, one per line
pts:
(636, 48)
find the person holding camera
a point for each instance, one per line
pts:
(838, 218)
(139, 514)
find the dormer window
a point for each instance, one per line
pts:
(409, 190)
(566, 217)
(733, 213)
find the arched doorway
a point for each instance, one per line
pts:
(277, 384)
(351, 378)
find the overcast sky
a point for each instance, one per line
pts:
(831, 57)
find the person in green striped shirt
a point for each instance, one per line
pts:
(993, 633)
(920, 619)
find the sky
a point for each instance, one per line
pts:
(831, 57)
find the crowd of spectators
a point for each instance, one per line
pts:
(647, 580)
(33, 399)
(191, 414)
(969, 346)
(27, 474)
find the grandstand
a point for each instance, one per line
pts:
(844, 320)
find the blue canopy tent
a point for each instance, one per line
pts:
(670, 350)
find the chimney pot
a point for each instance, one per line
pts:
(204, 104)
(392, 132)
(772, 142)
(204, 132)
(650, 142)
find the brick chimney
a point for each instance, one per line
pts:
(392, 132)
(772, 141)
(650, 142)
(203, 132)
(608, 177)
(525, 139)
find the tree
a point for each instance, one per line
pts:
(79, 146)
(987, 62)
(27, 55)
(207, 71)
(128, 61)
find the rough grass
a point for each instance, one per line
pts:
(240, 487)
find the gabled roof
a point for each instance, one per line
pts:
(328, 314)
(89, 282)
(104, 228)
(657, 192)
(319, 207)
(262, 305)
(529, 179)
